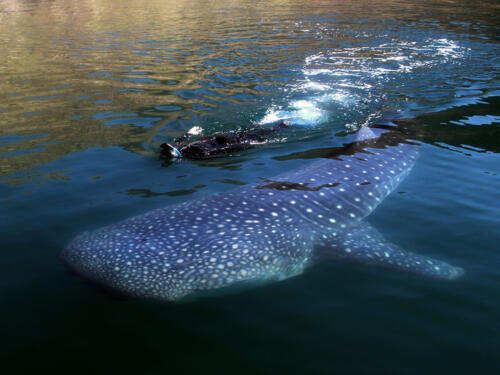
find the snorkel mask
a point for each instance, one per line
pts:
(170, 152)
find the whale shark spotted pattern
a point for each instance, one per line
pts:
(261, 232)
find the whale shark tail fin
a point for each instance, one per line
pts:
(362, 243)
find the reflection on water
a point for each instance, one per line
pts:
(100, 74)
(471, 127)
(462, 129)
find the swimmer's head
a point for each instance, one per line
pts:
(169, 152)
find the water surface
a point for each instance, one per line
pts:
(88, 91)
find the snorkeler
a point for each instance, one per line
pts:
(218, 144)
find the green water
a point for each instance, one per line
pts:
(88, 91)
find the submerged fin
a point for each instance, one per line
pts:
(364, 244)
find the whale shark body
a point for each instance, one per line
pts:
(266, 231)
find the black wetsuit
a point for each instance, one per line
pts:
(218, 144)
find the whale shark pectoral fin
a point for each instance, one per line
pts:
(364, 244)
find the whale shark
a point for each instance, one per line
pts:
(266, 231)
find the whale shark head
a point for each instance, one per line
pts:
(127, 262)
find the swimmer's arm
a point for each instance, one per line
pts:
(263, 131)
(195, 130)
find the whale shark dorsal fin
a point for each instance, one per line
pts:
(365, 133)
(364, 244)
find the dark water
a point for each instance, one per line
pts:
(89, 89)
